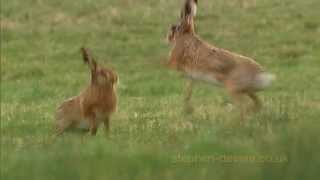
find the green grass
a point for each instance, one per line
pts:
(151, 136)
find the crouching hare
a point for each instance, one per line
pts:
(241, 76)
(94, 105)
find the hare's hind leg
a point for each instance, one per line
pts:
(257, 103)
(239, 101)
(62, 125)
(188, 95)
(237, 95)
(66, 113)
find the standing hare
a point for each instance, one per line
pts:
(94, 105)
(241, 76)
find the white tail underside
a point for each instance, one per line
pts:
(263, 80)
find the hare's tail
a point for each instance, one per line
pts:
(264, 80)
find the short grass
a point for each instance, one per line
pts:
(152, 137)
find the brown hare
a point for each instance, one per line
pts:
(94, 105)
(241, 76)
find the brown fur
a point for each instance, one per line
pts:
(202, 61)
(94, 105)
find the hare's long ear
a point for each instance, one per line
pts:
(91, 62)
(87, 58)
(189, 8)
(187, 15)
(188, 25)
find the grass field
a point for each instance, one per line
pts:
(151, 136)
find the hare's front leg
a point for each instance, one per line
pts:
(93, 125)
(188, 95)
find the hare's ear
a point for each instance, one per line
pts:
(88, 59)
(188, 25)
(92, 64)
(189, 21)
(187, 15)
(189, 8)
